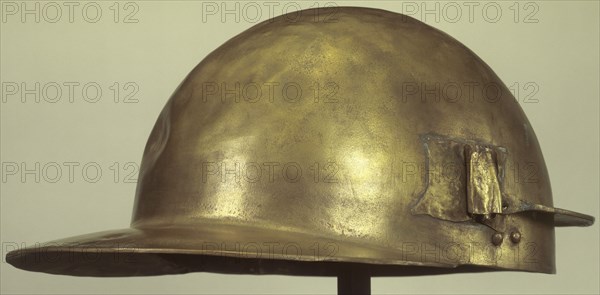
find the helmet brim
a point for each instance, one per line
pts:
(218, 248)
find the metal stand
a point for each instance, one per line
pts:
(354, 282)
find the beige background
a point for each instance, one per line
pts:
(549, 50)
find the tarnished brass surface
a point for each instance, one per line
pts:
(340, 135)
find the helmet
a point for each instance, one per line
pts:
(328, 137)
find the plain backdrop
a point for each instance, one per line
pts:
(137, 53)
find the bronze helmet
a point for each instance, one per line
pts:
(366, 137)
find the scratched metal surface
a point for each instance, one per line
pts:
(324, 150)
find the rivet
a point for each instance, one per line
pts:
(515, 237)
(497, 239)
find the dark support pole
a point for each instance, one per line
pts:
(354, 282)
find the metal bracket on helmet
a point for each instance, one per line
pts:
(464, 183)
(484, 198)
